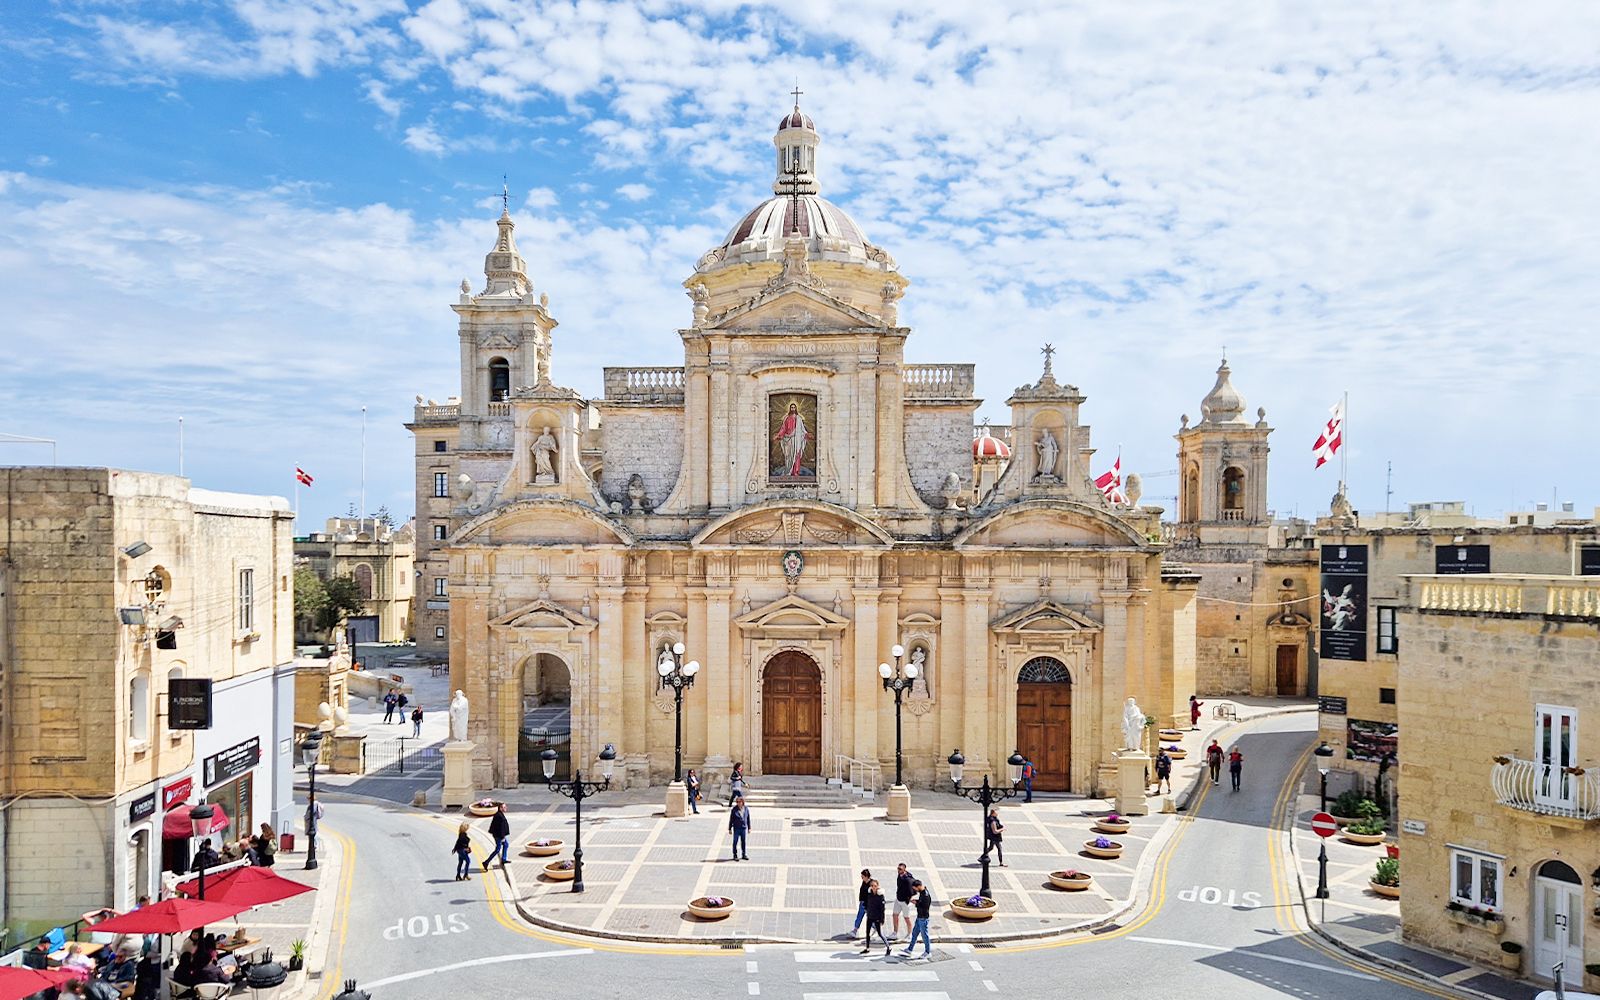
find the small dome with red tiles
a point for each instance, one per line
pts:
(986, 446)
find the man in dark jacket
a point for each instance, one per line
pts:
(1163, 771)
(739, 824)
(924, 901)
(861, 900)
(205, 857)
(500, 830)
(903, 891)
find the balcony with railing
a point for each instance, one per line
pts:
(1529, 786)
(1564, 597)
(436, 413)
(939, 381)
(644, 385)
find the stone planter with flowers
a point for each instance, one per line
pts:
(560, 871)
(485, 807)
(974, 908)
(711, 907)
(1071, 880)
(1102, 847)
(1112, 824)
(544, 848)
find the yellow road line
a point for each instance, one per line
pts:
(347, 876)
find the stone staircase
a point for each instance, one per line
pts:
(787, 791)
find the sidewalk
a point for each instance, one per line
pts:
(1364, 923)
(641, 869)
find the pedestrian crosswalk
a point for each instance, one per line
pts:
(846, 974)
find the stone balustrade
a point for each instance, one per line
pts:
(1546, 789)
(502, 409)
(438, 413)
(939, 382)
(644, 385)
(1509, 594)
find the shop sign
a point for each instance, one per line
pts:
(189, 703)
(141, 808)
(176, 792)
(1328, 704)
(232, 762)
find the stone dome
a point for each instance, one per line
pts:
(985, 446)
(795, 119)
(1223, 404)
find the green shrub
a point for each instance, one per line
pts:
(1349, 803)
(1371, 826)
(1387, 872)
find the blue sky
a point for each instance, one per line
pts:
(255, 215)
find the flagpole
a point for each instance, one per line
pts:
(363, 511)
(1344, 452)
(180, 446)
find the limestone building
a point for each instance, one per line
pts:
(115, 586)
(1500, 821)
(1254, 626)
(790, 502)
(379, 558)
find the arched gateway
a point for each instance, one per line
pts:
(1044, 722)
(791, 715)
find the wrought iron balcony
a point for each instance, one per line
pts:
(1546, 789)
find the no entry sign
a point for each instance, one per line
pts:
(1323, 825)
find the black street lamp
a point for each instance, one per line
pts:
(351, 993)
(985, 795)
(200, 823)
(1324, 755)
(680, 677)
(310, 750)
(577, 790)
(898, 680)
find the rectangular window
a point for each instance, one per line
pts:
(438, 631)
(1386, 696)
(439, 532)
(1388, 641)
(440, 446)
(441, 484)
(439, 583)
(247, 600)
(1475, 880)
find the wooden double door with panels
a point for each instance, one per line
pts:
(791, 715)
(1044, 732)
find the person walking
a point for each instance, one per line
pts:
(1214, 761)
(874, 918)
(992, 829)
(463, 853)
(739, 824)
(904, 891)
(500, 830)
(1027, 780)
(736, 783)
(924, 903)
(400, 702)
(416, 723)
(861, 902)
(266, 845)
(1163, 771)
(1194, 712)
(1235, 765)
(693, 781)
(388, 707)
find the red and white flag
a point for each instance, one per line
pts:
(302, 475)
(1332, 437)
(1110, 482)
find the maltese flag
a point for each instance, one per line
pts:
(1332, 437)
(302, 475)
(1110, 482)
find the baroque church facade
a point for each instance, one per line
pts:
(790, 503)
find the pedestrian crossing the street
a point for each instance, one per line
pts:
(846, 974)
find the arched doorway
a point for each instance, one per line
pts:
(1044, 722)
(791, 715)
(546, 717)
(1558, 917)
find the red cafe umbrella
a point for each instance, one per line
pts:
(176, 824)
(17, 982)
(245, 886)
(170, 916)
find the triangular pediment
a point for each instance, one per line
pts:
(795, 307)
(792, 613)
(545, 613)
(1045, 616)
(788, 524)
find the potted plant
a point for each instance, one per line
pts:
(560, 871)
(1511, 956)
(1171, 735)
(973, 907)
(1112, 823)
(1101, 847)
(484, 807)
(1071, 880)
(711, 907)
(1176, 752)
(1385, 880)
(297, 955)
(1367, 832)
(543, 848)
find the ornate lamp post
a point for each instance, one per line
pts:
(898, 679)
(678, 675)
(985, 795)
(200, 824)
(1324, 755)
(577, 790)
(310, 749)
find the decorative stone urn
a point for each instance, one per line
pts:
(711, 907)
(1071, 880)
(1102, 848)
(560, 871)
(543, 848)
(966, 909)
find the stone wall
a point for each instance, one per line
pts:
(938, 442)
(641, 440)
(1470, 684)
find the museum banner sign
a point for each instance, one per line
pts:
(1344, 602)
(1461, 559)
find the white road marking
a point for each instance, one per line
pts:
(880, 976)
(865, 995)
(976, 967)
(754, 989)
(989, 985)
(1256, 954)
(403, 977)
(829, 956)
(750, 967)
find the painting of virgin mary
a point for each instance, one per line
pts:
(793, 455)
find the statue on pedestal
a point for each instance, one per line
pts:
(1132, 726)
(458, 716)
(1048, 450)
(544, 450)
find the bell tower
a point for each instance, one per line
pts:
(1222, 468)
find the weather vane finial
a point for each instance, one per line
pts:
(505, 195)
(797, 92)
(1047, 351)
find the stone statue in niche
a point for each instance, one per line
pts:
(920, 698)
(636, 494)
(1049, 450)
(544, 458)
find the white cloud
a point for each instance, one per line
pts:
(634, 192)
(425, 138)
(378, 93)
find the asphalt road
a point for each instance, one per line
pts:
(1218, 923)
